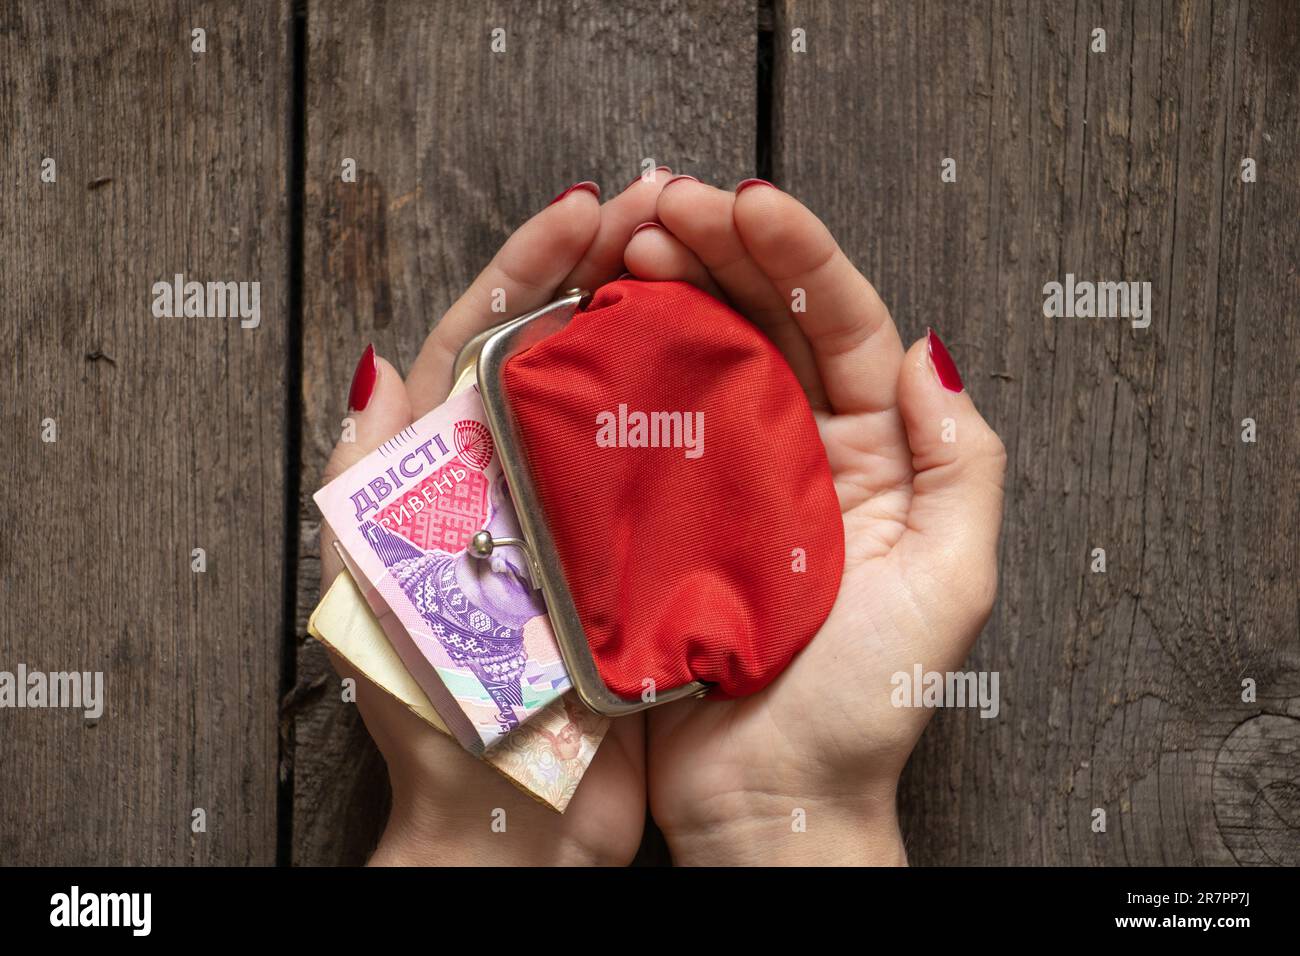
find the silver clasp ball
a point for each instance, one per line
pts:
(481, 545)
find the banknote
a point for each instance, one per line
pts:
(545, 757)
(473, 633)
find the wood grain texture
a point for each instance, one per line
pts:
(455, 146)
(1120, 691)
(170, 432)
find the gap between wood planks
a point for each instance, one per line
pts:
(295, 183)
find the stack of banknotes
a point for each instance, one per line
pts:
(471, 634)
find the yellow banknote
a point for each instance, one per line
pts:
(545, 757)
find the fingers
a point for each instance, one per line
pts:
(619, 218)
(852, 336)
(657, 255)
(528, 270)
(959, 461)
(385, 412)
(702, 218)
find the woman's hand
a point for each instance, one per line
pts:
(443, 800)
(919, 477)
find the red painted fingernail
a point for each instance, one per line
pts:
(746, 183)
(678, 179)
(646, 225)
(658, 169)
(584, 186)
(944, 366)
(363, 380)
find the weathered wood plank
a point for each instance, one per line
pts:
(170, 431)
(1120, 691)
(455, 145)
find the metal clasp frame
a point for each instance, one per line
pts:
(486, 355)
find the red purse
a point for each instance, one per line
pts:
(672, 487)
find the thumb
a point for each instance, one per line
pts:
(378, 408)
(959, 461)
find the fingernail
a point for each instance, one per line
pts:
(584, 186)
(363, 380)
(942, 362)
(678, 179)
(646, 225)
(658, 169)
(746, 183)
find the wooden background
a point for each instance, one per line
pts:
(1120, 691)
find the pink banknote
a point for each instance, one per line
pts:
(476, 636)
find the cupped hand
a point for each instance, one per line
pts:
(443, 799)
(807, 769)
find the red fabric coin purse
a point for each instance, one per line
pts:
(673, 492)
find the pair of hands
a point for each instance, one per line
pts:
(919, 477)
